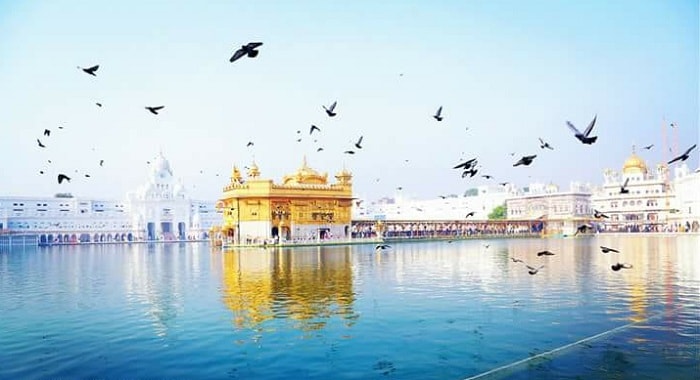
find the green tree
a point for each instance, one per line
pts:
(498, 212)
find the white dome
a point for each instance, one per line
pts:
(161, 167)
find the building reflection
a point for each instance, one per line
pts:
(307, 285)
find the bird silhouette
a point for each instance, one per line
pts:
(471, 173)
(47, 132)
(41, 172)
(63, 177)
(516, 260)
(99, 104)
(606, 249)
(357, 144)
(683, 156)
(250, 143)
(102, 162)
(319, 149)
(533, 270)
(154, 110)
(466, 164)
(545, 253)
(438, 114)
(623, 188)
(584, 137)
(648, 147)
(598, 215)
(247, 49)
(382, 246)
(487, 176)
(330, 110)
(544, 144)
(314, 128)
(349, 152)
(87, 175)
(90, 70)
(525, 160)
(503, 183)
(470, 213)
(40, 144)
(582, 229)
(618, 266)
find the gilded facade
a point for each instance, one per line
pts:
(303, 207)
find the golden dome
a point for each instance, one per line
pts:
(305, 175)
(253, 171)
(344, 176)
(235, 175)
(634, 165)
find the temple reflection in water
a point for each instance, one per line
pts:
(309, 286)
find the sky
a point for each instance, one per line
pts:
(505, 73)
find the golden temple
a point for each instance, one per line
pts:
(304, 207)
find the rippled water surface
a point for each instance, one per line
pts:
(430, 310)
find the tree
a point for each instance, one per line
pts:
(498, 212)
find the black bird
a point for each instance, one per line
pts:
(582, 229)
(503, 183)
(487, 176)
(41, 172)
(683, 156)
(533, 270)
(470, 172)
(90, 70)
(382, 246)
(40, 144)
(648, 147)
(437, 114)
(544, 144)
(250, 143)
(517, 260)
(487, 246)
(247, 49)
(314, 128)
(466, 164)
(47, 132)
(319, 149)
(606, 249)
(471, 213)
(62, 177)
(298, 140)
(597, 214)
(330, 109)
(349, 152)
(154, 110)
(618, 266)
(99, 104)
(526, 160)
(623, 188)
(357, 144)
(60, 127)
(545, 253)
(87, 175)
(583, 137)
(102, 162)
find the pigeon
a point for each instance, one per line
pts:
(606, 249)
(382, 246)
(437, 114)
(583, 137)
(466, 165)
(487, 246)
(62, 177)
(618, 266)
(47, 132)
(314, 128)
(471, 213)
(598, 215)
(533, 270)
(319, 149)
(40, 144)
(648, 147)
(349, 152)
(582, 229)
(357, 144)
(515, 260)
(41, 172)
(98, 104)
(623, 188)
(154, 110)
(90, 70)
(545, 253)
(87, 175)
(470, 172)
(683, 156)
(526, 160)
(250, 143)
(247, 49)
(544, 144)
(487, 176)
(102, 162)
(503, 183)
(330, 109)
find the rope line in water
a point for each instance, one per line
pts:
(580, 341)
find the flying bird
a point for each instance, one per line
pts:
(98, 104)
(503, 183)
(438, 114)
(154, 110)
(87, 175)
(544, 144)
(47, 132)
(525, 160)
(582, 229)
(314, 128)
(470, 172)
(618, 266)
(382, 246)
(648, 147)
(623, 188)
(487, 176)
(545, 253)
(606, 249)
(63, 177)
(598, 215)
(102, 162)
(466, 164)
(41, 172)
(584, 137)
(40, 144)
(247, 49)
(319, 149)
(90, 70)
(357, 144)
(349, 152)
(533, 270)
(250, 143)
(515, 260)
(330, 110)
(471, 213)
(683, 156)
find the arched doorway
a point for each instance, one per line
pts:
(275, 232)
(43, 240)
(130, 237)
(151, 231)
(181, 230)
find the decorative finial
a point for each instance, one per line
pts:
(303, 162)
(634, 149)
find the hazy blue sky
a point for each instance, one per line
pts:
(510, 71)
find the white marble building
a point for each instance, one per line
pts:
(158, 210)
(687, 192)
